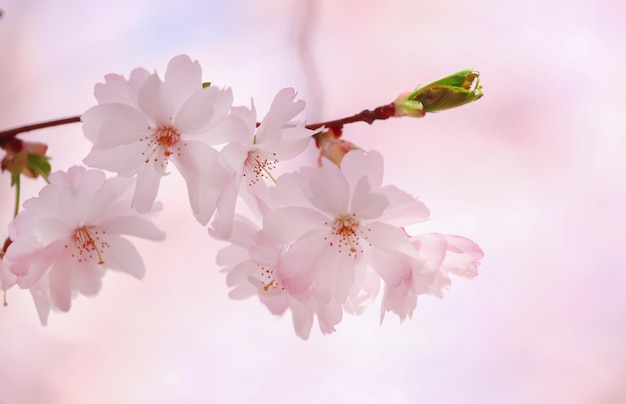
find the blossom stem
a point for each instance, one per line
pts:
(18, 188)
(369, 116)
(10, 133)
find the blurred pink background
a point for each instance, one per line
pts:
(535, 172)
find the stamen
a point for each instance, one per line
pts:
(348, 234)
(85, 240)
(161, 144)
(268, 281)
(258, 165)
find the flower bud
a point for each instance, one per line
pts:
(407, 107)
(27, 158)
(331, 146)
(450, 92)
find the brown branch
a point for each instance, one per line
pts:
(5, 135)
(369, 116)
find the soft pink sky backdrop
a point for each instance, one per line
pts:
(535, 172)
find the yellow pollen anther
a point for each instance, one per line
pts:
(268, 281)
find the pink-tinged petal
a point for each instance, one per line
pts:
(41, 297)
(125, 257)
(228, 129)
(328, 316)
(112, 125)
(392, 267)
(182, 78)
(202, 110)
(358, 164)
(248, 116)
(106, 201)
(264, 254)
(244, 233)
(403, 208)
(242, 291)
(329, 189)
(390, 238)
(345, 274)
(288, 191)
(73, 208)
(335, 274)
(460, 264)
(234, 155)
(133, 226)
(323, 281)
(365, 289)
(156, 101)
(365, 204)
(205, 177)
(400, 300)
(302, 319)
(230, 255)
(61, 283)
(7, 279)
(148, 181)
(462, 245)
(242, 272)
(286, 224)
(462, 257)
(48, 230)
(296, 271)
(282, 110)
(117, 89)
(293, 142)
(432, 248)
(87, 278)
(277, 304)
(440, 283)
(124, 160)
(31, 266)
(137, 79)
(225, 209)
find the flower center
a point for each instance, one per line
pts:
(347, 234)
(162, 143)
(258, 165)
(87, 241)
(268, 281)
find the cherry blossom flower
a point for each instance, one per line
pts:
(143, 123)
(329, 236)
(439, 256)
(338, 217)
(7, 279)
(65, 239)
(249, 276)
(323, 244)
(277, 138)
(251, 262)
(332, 146)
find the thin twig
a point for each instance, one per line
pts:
(9, 133)
(369, 116)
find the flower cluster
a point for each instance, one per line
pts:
(325, 240)
(143, 123)
(329, 235)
